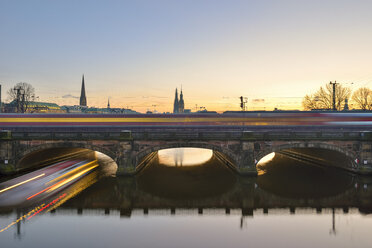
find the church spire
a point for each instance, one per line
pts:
(175, 105)
(83, 98)
(181, 104)
(108, 103)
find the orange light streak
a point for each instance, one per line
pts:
(67, 180)
(48, 205)
(44, 190)
(18, 184)
(22, 217)
(73, 171)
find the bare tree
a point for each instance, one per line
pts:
(323, 98)
(363, 98)
(23, 93)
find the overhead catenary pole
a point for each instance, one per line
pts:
(243, 103)
(333, 96)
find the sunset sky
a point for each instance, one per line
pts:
(137, 52)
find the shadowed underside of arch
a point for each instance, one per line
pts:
(44, 157)
(37, 156)
(318, 154)
(63, 145)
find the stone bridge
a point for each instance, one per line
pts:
(241, 150)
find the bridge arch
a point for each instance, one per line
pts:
(31, 150)
(224, 150)
(351, 156)
(64, 144)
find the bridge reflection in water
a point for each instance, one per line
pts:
(285, 187)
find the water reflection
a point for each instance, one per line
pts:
(208, 179)
(185, 173)
(295, 204)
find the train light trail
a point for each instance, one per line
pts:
(48, 205)
(72, 172)
(22, 217)
(18, 184)
(67, 180)
(45, 190)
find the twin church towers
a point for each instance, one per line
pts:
(179, 105)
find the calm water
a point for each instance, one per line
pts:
(176, 202)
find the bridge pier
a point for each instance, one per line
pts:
(246, 162)
(125, 160)
(365, 158)
(7, 158)
(126, 165)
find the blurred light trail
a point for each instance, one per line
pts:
(67, 180)
(48, 205)
(44, 190)
(34, 188)
(18, 184)
(72, 171)
(22, 217)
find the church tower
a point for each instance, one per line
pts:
(181, 104)
(83, 98)
(108, 103)
(176, 105)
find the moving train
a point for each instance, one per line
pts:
(203, 120)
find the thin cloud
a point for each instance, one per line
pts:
(258, 100)
(161, 97)
(156, 97)
(70, 96)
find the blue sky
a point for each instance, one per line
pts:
(138, 52)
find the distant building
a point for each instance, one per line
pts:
(93, 110)
(83, 98)
(204, 111)
(178, 105)
(35, 107)
(73, 109)
(44, 107)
